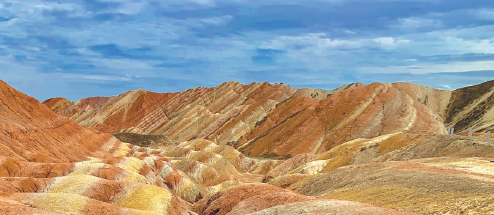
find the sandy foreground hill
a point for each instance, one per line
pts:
(248, 149)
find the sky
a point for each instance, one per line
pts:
(83, 48)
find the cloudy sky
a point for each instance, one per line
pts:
(82, 48)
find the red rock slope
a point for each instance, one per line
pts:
(29, 131)
(261, 119)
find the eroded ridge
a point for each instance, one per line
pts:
(270, 120)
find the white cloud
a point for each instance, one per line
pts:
(203, 22)
(9, 23)
(471, 46)
(123, 64)
(29, 17)
(432, 68)
(455, 41)
(130, 35)
(217, 20)
(15, 70)
(132, 8)
(32, 6)
(417, 22)
(173, 3)
(95, 77)
(320, 40)
(390, 41)
(446, 87)
(349, 32)
(202, 2)
(485, 14)
(88, 53)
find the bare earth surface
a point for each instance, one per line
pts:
(249, 149)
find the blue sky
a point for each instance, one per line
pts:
(83, 48)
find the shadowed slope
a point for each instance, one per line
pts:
(144, 140)
(472, 107)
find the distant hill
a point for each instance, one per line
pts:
(472, 107)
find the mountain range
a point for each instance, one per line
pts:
(250, 149)
(277, 121)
